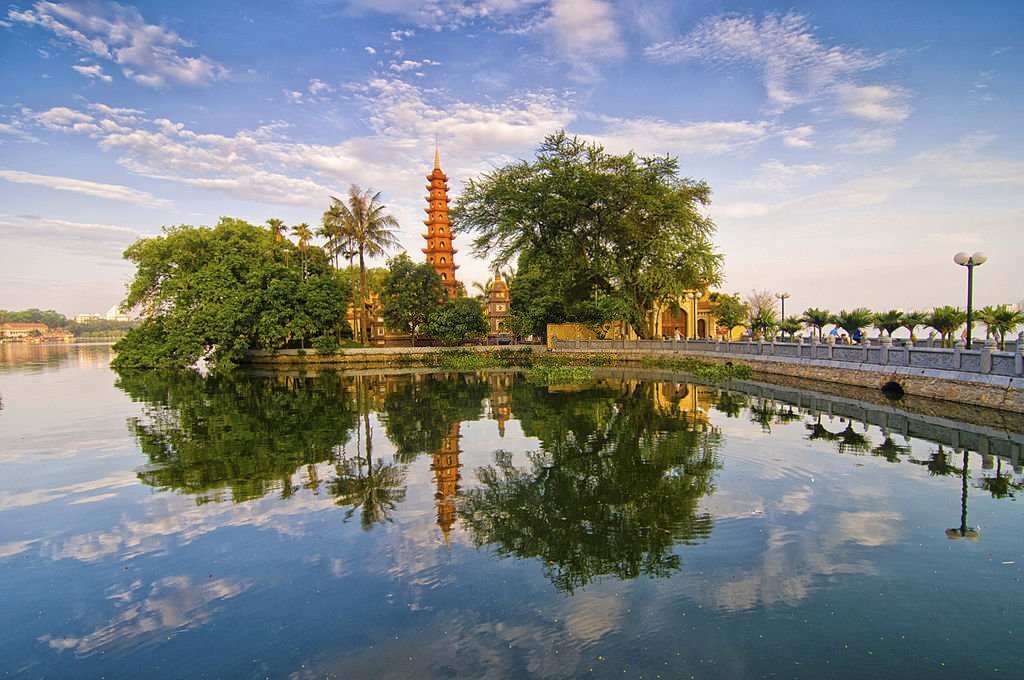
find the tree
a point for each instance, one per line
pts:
(223, 290)
(853, 321)
(817, 318)
(911, 320)
(946, 320)
(628, 227)
(411, 293)
(457, 320)
(888, 321)
(761, 307)
(1002, 320)
(790, 326)
(364, 220)
(276, 227)
(303, 234)
(730, 311)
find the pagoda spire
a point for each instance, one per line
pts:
(440, 251)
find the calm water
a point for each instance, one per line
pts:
(418, 525)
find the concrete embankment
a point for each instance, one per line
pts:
(991, 391)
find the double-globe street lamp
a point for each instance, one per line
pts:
(783, 296)
(970, 261)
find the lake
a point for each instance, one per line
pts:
(433, 525)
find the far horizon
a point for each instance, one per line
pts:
(852, 149)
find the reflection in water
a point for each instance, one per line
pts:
(615, 485)
(239, 434)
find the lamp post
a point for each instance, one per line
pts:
(693, 297)
(783, 296)
(970, 261)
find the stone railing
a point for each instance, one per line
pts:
(987, 361)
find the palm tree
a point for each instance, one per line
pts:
(946, 320)
(276, 227)
(303, 233)
(911, 320)
(854, 320)
(790, 326)
(986, 316)
(817, 318)
(333, 238)
(1003, 320)
(366, 223)
(763, 322)
(888, 321)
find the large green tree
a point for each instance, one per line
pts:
(411, 293)
(623, 226)
(457, 320)
(224, 290)
(730, 311)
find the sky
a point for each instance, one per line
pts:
(852, 147)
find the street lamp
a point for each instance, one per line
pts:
(694, 296)
(783, 296)
(970, 261)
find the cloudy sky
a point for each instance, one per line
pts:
(852, 147)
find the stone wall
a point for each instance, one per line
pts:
(372, 357)
(992, 391)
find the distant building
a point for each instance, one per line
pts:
(114, 314)
(86, 318)
(19, 332)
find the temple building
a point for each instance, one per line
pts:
(497, 311)
(439, 250)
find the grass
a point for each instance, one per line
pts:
(701, 369)
(550, 373)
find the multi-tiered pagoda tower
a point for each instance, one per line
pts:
(439, 250)
(445, 467)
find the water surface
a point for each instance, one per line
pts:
(422, 525)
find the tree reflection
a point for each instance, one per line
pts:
(418, 411)
(245, 435)
(615, 486)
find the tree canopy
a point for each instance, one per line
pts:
(227, 289)
(411, 293)
(624, 227)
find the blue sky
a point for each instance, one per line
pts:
(852, 148)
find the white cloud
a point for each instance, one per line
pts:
(585, 33)
(798, 137)
(93, 72)
(658, 137)
(114, 192)
(294, 96)
(370, 50)
(868, 142)
(776, 176)
(794, 65)
(875, 103)
(317, 87)
(147, 53)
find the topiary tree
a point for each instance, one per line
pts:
(911, 320)
(946, 320)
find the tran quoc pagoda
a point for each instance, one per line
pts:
(439, 250)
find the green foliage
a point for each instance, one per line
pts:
(946, 320)
(326, 344)
(49, 317)
(467, 360)
(558, 374)
(227, 289)
(730, 310)
(456, 321)
(1000, 320)
(701, 369)
(817, 318)
(888, 321)
(790, 326)
(594, 225)
(364, 223)
(854, 320)
(411, 293)
(911, 320)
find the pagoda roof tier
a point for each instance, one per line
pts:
(443, 251)
(435, 198)
(437, 174)
(435, 210)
